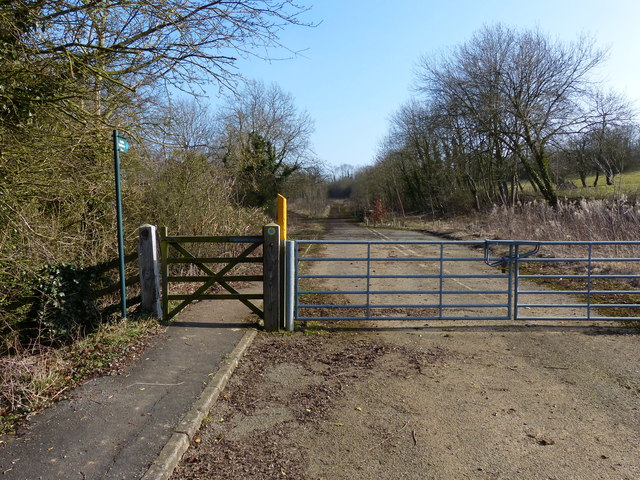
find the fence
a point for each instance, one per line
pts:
(474, 280)
(175, 252)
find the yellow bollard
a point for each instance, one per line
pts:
(282, 216)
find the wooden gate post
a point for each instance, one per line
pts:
(271, 282)
(149, 269)
(163, 232)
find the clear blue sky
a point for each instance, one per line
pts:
(358, 65)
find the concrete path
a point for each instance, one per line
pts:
(116, 427)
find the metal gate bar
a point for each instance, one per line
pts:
(439, 263)
(590, 278)
(590, 305)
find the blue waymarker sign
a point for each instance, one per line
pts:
(123, 145)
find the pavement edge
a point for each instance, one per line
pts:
(163, 466)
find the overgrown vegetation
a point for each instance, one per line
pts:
(584, 220)
(70, 73)
(571, 220)
(33, 378)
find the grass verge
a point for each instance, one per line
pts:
(34, 379)
(598, 301)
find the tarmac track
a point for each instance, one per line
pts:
(114, 427)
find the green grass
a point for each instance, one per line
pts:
(627, 183)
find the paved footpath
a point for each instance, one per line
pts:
(117, 427)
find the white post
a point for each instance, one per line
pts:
(290, 282)
(149, 270)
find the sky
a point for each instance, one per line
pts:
(357, 67)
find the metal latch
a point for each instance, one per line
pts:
(505, 260)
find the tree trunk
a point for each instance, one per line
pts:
(583, 178)
(541, 177)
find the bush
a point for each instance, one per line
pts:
(65, 305)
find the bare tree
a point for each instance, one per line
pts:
(520, 90)
(609, 133)
(264, 139)
(605, 143)
(307, 190)
(183, 124)
(85, 58)
(344, 171)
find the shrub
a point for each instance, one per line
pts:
(65, 304)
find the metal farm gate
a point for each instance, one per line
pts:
(473, 280)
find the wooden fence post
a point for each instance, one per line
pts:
(149, 269)
(164, 269)
(271, 285)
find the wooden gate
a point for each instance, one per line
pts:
(174, 251)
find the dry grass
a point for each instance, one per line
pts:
(35, 377)
(31, 379)
(584, 220)
(593, 220)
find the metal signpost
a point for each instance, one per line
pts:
(120, 144)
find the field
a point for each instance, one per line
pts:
(627, 184)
